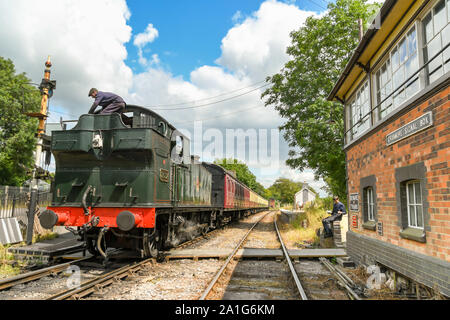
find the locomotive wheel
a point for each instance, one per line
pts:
(152, 246)
(153, 249)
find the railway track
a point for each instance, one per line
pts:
(256, 285)
(96, 285)
(91, 285)
(101, 281)
(280, 277)
(265, 279)
(38, 274)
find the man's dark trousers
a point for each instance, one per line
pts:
(328, 221)
(113, 107)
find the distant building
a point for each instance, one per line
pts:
(304, 196)
(395, 92)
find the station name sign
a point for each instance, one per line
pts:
(422, 122)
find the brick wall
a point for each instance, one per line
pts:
(429, 148)
(429, 271)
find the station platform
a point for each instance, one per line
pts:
(47, 250)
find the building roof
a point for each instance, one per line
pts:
(305, 186)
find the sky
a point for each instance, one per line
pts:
(200, 64)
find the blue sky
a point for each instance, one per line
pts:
(190, 32)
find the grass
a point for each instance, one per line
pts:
(8, 267)
(295, 232)
(46, 236)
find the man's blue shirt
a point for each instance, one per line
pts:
(338, 207)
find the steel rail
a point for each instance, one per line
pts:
(37, 274)
(230, 257)
(115, 275)
(300, 289)
(100, 282)
(342, 279)
(198, 239)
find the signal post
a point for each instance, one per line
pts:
(46, 87)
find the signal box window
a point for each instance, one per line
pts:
(402, 63)
(360, 111)
(436, 30)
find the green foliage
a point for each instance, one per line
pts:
(284, 190)
(327, 203)
(243, 174)
(17, 140)
(315, 127)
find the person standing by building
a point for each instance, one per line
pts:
(109, 102)
(336, 215)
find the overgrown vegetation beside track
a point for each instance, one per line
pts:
(302, 230)
(8, 267)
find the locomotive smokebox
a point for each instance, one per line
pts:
(48, 219)
(127, 220)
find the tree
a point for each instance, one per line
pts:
(17, 131)
(243, 174)
(284, 190)
(315, 127)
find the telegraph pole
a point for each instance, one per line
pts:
(46, 87)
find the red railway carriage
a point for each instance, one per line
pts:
(238, 195)
(231, 194)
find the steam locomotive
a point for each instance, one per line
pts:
(129, 181)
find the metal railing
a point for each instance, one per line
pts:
(14, 202)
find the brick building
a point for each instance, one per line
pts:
(395, 92)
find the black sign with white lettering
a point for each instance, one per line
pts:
(354, 202)
(409, 129)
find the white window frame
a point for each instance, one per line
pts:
(414, 204)
(370, 204)
(443, 68)
(358, 120)
(390, 74)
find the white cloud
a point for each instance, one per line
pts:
(85, 40)
(144, 38)
(251, 51)
(237, 17)
(148, 36)
(257, 47)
